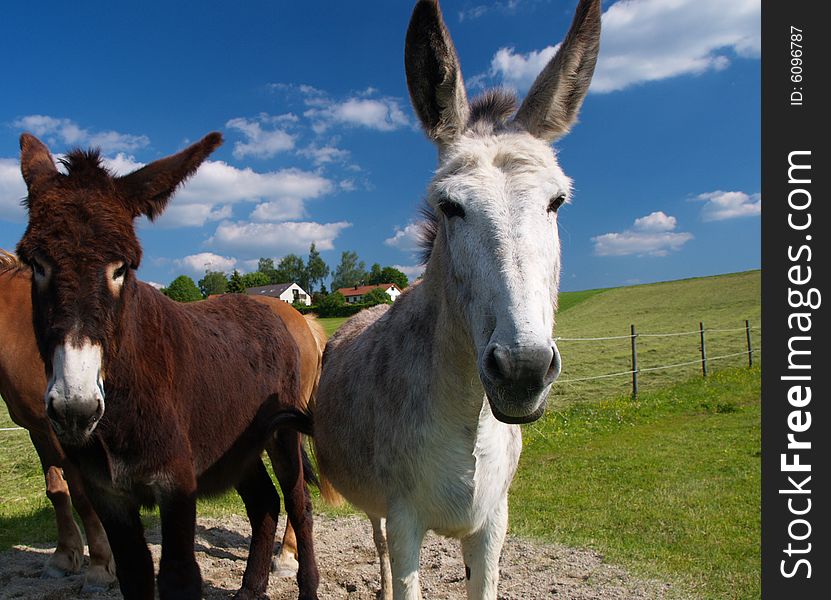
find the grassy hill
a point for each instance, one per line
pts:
(720, 302)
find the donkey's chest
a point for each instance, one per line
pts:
(467, 477)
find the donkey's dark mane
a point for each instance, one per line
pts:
(492, 108)
(84, 163)
(428, 228)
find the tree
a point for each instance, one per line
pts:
(350, 272)
(255, 279)
(236, 285)
(316, 269)
(291, 269)
(377, 275)
(182, 289)
(214, 282)
(332, 300)
(266, 265)
(377, 296)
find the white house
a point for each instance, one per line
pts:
(287, 292)
(356, 294)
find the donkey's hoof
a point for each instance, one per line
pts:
(62, 564)
(284, 565)
(99, 579)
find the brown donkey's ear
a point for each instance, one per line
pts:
(433, 74)
(148, 189)
(35, 160)
(551, 107)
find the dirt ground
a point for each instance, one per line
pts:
(349, 568)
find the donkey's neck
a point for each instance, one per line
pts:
(457, 388)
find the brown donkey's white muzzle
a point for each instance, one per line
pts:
(75, 394)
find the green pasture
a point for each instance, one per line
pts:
(666, 485)
(720, 302)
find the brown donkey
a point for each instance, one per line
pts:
(22, 384)
(193, 392)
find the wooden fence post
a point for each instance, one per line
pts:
(703, 350)
(749, 347)
(634, 363)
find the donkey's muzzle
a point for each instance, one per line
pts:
(74, 418)
(517, 379)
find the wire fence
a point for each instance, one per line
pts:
(594, 353)
(575, 385)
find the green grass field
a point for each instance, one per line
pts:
(721, 302)
(667, 485)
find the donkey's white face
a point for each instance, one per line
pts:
(496, 198)
(496, 195)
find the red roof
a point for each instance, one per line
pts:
(360, 290)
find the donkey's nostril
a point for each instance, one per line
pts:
(525, 365)
(554, 367)
(51, 411)
(498, 363)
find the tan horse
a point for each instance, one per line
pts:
(22, 384)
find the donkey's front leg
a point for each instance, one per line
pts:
(404, 535)
(133, 562)
(481, 552)
(179, 575)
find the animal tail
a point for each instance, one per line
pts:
(327, 490)
(309, 473)
(294, 418)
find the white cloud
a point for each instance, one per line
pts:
(206, 261)
(322, 155)
(406, 238)
(652, 235)
(154, 284)
(650, 40)
(69, 133)
(656, 221)
(288, 208)
(479, 10)
(276, 238)
(261, 142)
(729, 205)
(12, 190)
(412, 272)
(381, 114)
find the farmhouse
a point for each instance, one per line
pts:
(356, 294)
(287, 292)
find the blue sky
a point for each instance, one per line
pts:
(322, 145)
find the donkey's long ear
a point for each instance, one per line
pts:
(433, 74)
(551, 107)
(148, 189)
(35, 160)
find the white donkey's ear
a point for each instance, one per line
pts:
(433, 74)
(551, 107)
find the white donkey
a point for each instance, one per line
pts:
(402, 427)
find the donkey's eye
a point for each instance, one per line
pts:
(120, 271)
(556, 203)
(38, 268)
(451, 209)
